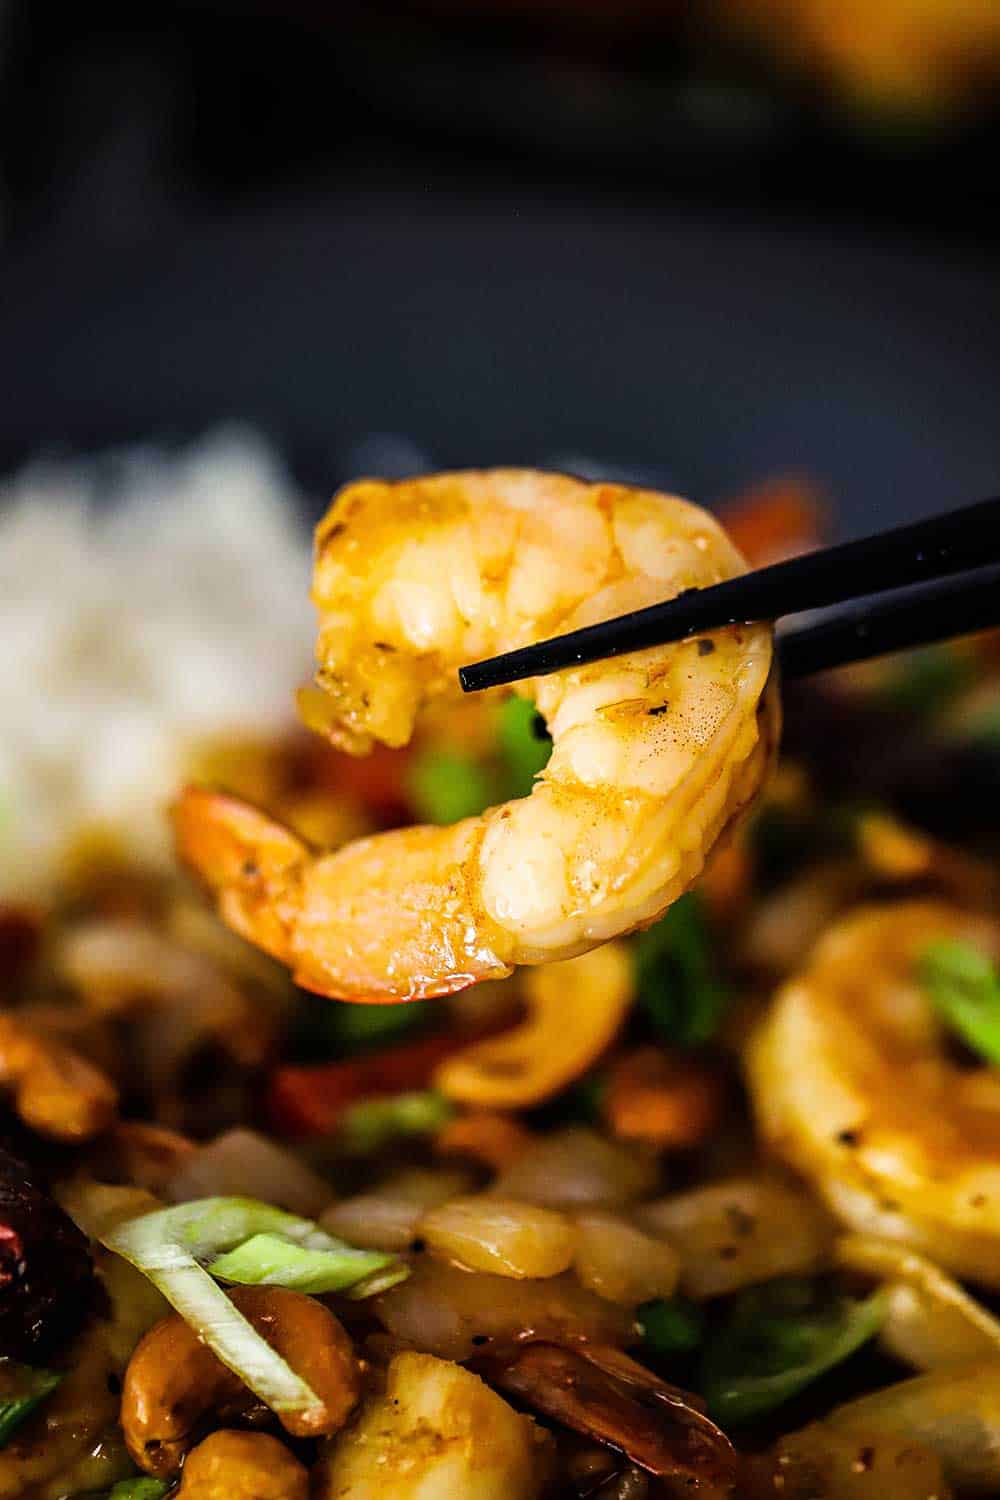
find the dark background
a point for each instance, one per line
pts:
(617, 238)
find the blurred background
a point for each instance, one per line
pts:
(703, 242)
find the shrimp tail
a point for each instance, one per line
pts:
(252, 864)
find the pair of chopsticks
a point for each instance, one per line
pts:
(907, 578)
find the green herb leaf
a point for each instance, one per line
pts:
(777, 1339)
(676, 978)
(271, 1260)
(141, 1488)
(964, 987)
(671, 1325)
(21, 1390)
(321, 1031)
(374, 1123)
(524, 746)
(444, 786)
(926, 681)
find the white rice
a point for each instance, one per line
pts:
(134, 625)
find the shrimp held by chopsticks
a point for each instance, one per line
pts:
(654, 753)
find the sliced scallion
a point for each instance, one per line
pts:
(964, 988)
(171, 1247)
(142, 1488)
(373, 1123)
(22, 1388)
(273, 1260)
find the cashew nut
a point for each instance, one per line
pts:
(56, 1092)
(174, 1382)
(540, 1056)
(243, 1466)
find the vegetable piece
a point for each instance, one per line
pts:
(671, 1325)
(964, 987)
(386, 1217)
(525, 746)
(21, 1390)
(779, 1338)
(536, 1059)
(372, 1124)
(271, 1260)
(321, 1030)
(307, 1102)
(438, 1433)
(483, 1233)
(732, 1234)
(619, 1262)
(926, 681)
(240, 1162)
(444, 786)
(167, 1247)
(458, 1316)
(678, 986)
(145, 1488)
(577, 1168)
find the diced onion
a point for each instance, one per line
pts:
(577, 1168)
(239, 1162)
(386, 1218)
(732, 1234)
(619, 1262)
(513, 1239)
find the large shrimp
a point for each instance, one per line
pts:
(654, 754)
(854, 1084)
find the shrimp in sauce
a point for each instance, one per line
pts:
(854, 1083)
(654, 753)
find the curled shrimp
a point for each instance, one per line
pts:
(654, 754)
(854, 1084)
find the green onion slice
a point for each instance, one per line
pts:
(964, 988)
(671, 1325)
(373, 1123)
(170, 1247)
(524, 745)
(273, 1260)
(22, 1388)
(143, 1488)
(676, 975)
(445, 786)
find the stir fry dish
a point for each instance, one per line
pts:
(539, 1095)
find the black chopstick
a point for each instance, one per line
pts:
(935, 611)
(942, 545)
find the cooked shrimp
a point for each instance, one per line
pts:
(654, 754)
(853, 1084)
